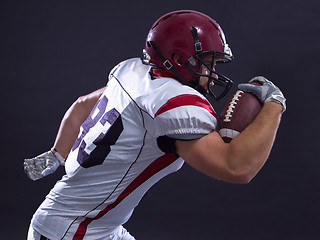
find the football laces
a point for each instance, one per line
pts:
(233, 102)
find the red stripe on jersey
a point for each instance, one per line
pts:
(156, 166)
(186, 100)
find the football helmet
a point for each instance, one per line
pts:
(193, 36)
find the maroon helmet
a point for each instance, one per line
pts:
(192, 35)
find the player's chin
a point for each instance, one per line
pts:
(203, 82)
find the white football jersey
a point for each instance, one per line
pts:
(115, 159)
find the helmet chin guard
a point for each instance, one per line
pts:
(193, 36)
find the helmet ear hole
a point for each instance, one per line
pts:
(177, 58)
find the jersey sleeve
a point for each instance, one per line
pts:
(185, 115)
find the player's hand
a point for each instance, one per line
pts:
(266, 92)
(43, 165)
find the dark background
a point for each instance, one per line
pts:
(54, 51)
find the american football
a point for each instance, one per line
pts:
(239, 111)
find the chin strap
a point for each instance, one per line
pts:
(197, 43)
(168, 65)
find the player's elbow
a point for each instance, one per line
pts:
(242, 178)
(233, 173)
(240, 174)
(241, 166)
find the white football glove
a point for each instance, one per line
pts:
(43, 165)
(266, 92)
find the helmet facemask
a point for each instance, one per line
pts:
(217, 85)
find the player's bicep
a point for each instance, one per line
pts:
(206, 154)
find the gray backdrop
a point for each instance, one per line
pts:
(54, 51)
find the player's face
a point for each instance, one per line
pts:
(204, 80)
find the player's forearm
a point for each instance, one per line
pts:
(68, 130)
(249, 150)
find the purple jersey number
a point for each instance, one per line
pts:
(104, 140)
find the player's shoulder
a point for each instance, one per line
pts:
(182, 111)
(133, 66)
(174, 95)
(132, 75)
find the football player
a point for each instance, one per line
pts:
(151, 117)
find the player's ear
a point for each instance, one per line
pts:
(177, 58)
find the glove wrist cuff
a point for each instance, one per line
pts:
(278, 100)
(58, 156)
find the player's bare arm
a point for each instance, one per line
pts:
(48, 162)
(72, 120)
(241, 159)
